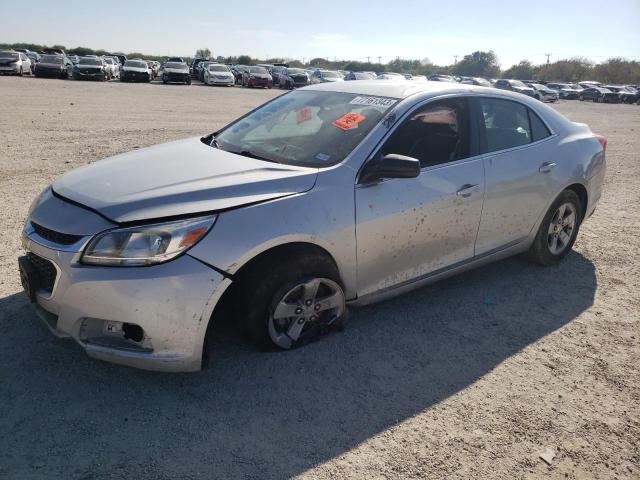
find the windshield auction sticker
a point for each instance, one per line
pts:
(348, 120)
(373, 101)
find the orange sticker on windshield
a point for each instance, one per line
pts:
(348, 120)
(303, 115)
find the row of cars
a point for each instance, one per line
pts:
(584, 91)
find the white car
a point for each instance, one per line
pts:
(136, 71)
(218, 74)
(112, 67)
(16, 63)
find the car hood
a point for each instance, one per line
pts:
(178, 178)
(89, 67)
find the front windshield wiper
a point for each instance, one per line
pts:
(247, 153)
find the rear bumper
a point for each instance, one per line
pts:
(172, 304)
(14, 68)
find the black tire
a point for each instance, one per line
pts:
(20, 73)
(265, 283)
(540, 251)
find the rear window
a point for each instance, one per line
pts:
(8, 55)
(218, 68)
(135, 64)
(257, 70)
(538, 129)
(176, 65)
(51, 59)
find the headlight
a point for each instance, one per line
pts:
(146, 244)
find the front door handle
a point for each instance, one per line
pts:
(546, 167)
(467, 190)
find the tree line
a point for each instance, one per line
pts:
(476, 64)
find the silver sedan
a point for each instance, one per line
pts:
(334, 195)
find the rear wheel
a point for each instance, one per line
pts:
(558, 230)
(289, 303)
(20, 73)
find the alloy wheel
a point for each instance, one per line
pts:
(304, 310)
(561, 228)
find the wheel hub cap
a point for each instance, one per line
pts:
(561, 228)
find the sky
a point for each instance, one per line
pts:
(340, 29)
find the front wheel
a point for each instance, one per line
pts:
(558, 230)
(289, 303)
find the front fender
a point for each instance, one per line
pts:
(323, 216)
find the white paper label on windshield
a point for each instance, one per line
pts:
(373, 101)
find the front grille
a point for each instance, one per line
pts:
(46, 271)
(55, 237)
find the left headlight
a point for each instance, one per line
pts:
(146, 244)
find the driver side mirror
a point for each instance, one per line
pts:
(390, 166)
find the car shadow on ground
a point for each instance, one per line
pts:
(272, 415)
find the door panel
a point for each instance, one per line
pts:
(406, 228)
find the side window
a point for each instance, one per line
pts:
(506, 124)
(538, 129)
(435, 133)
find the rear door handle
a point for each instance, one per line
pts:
(467, 189)
(546, 167)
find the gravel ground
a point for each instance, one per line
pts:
(473, 377)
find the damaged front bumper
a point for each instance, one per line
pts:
(153, 317)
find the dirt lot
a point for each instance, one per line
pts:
(473, 377)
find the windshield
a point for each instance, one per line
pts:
(136, 64)
(329, 74)
(295, 71)
(90, 61)
(8, 55)
(362, 76)
(306, 128)
(517, 83)
(109, 61)
(257, 70)
(51, 59)
(176, 65)
(218, 68)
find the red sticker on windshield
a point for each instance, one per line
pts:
(348, 120)
(303, 115)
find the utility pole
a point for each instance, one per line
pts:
(379, 59)
(368, 59)
(455, 59)
(547, 55)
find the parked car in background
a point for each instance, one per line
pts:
(441, 78)
(326, 76)
(481, 82)
(276, 73)
(91, 68)
(565, 90)
(237, 72)
(390, 76)
(176, 72)
(625, 94)
(218, 74)
(174, 60)
(34, 57)
(300, 208)
(74, 59)
(111, 67)
(121, 56)
(14, 63)
(359, 76)
(599, 94)
(544, 93)
(200, 69)
(291, 78)
(136, 70)
(54, 65)
(194, 66)
(589, 84)
(154, 68)
(54, 51)
(514, 86)
(256, 76)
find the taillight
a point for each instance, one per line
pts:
(603, 141)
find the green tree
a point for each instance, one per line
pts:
(618, 70)
(478, 64)
(203, 53)
(572, 70)
(245, 60)
(522, 71)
